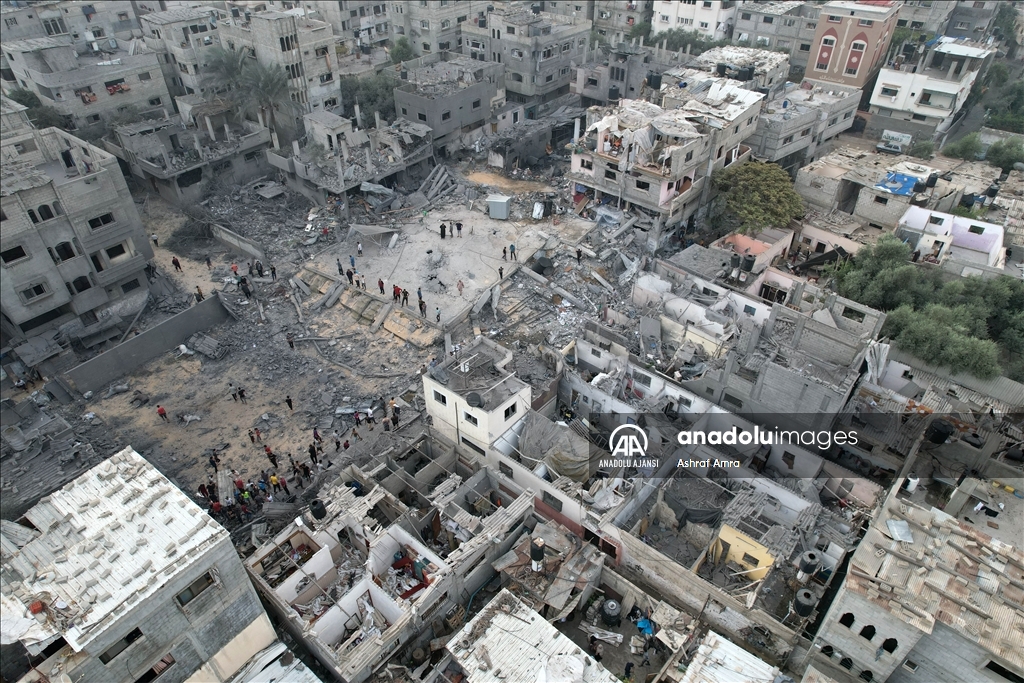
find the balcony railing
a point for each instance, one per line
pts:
(118, 271)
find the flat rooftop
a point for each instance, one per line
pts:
(718, 660)
(774, 7)
(108, 539)
(480, 370)
(34, 44)
(737, 55)
(177, 14)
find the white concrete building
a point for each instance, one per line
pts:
(939, 236)
(473, 399)
(713, 19)
(923, 100)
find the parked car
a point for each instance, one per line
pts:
(889, 148)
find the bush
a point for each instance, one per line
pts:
(1006, 153)
(922, 150)
(967, 147)
(402, 51)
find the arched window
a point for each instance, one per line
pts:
(890, 645)
(81, 284)
(846, 663)
(58, 209)
(868, 632)
(33, 216)
(828, 651)
(847, 620)
(64, 251)
(518, 78)
(45, 212)
(866, 675)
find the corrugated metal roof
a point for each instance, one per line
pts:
(719, 661)
(951, 573)
(508, 641)
(109, 539)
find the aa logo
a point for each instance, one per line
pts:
(628, 441)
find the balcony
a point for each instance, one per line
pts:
(88, 300)
(121, 270)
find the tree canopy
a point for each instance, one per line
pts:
(1006, 153)
(967, 147)
(39, 114)
(372, 93)
(757, 196)
(966, 324)
(253, 88)
(401, 51)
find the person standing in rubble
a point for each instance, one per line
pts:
(245, 290)
(405, 297)
(359, 248)
(341, 270)
(234, 269)
(209, 263)
(273, 272)
(199, 294)
(512, 252)
(443, 229)
(458, 228)
(259, 267)
(176, 263)
(349, 274)
(504, 254)
(380, 285)
(351, 261)
(437, 311)
(251, 268)
(423, 308)
(579, 255)
(460, 287)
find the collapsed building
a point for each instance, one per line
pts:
(339, 157)
(182, 159)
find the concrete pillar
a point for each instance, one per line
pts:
(576, 130)
(209, 127)
(199, 147)
(295, 147)
(376, 119)
(359, 117)
(952, 67)
(369, 161)
(227, 131)
(166, 115)
(341, 167)
(259, 117)
(167, 159)
(344, 149)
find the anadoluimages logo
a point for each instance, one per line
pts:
(628, 441)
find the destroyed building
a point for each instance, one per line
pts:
(339, 157)
(935, 236)
(73, 251)
(794, 355)
(454, 95)
(932, 593)
(88, 88)
(878, 189)
(184, 38)
(765, 71)
(660, 160)
(182, 157)
(537, 50)
(366, 572)
(119, 575)
(801, 123)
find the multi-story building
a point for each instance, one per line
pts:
(925, 100)
(434, 25)
(927, 16)
(359, 24)
(851, 41)
(537, 50)
(86, 89)
(181, 156)
(937, 236)
(183, 37)
(660, 159)
(789, 25)
(713, 19)
(374, 568)
(799, 125)
(972, 19)
(73, 251)
(626, 71)
(763, 70)
(303, 47)
(96, 25)
(614, 20)
(120, 577)
(451, 93)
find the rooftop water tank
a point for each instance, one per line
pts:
(748, 262)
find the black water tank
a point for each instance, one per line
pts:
(611, 613)
(1015, 454)
(939, 430)
(405, 75)
(613, 92)
(654, 80)
(535, 8)
(734, 261)
(482, 22)
(809, 562)
(474, 400)
(318, 509)
(721, 69)
(746, 73)
(967, 201)
(932, 179)
(919, 186)
(537, 550)
(547, 266)
(748, 262)
(804, 602)
(993, 190)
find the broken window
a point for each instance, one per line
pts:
(510, 411)
(853, 314)
(81, 284)
(750, 560)
(641, 379)
(120, 646)
(157, 669)
(195, 588)
(446, 115)
(129, 286)
(116, 251)
(789, 459)
(551, 501)
(881, 200)
(13, 254)
(506, 470)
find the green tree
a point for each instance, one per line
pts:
(1006, 153)
(374, 93)
(997, 75)
(401, 51)
(263, 91)
(40, 115)
(900, 35)
(922, 150)
(224, 68)
(758, 196)
(640, 31)
(967, 147)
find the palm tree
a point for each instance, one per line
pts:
(223, 72)
(262, 91)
